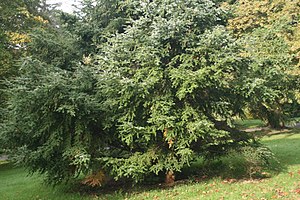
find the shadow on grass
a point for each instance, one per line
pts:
(6, 167)
(284, 144)
(120, 190)
(199, 171)
(271, 132)
(249, 123)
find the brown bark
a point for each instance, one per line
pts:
(170, 178)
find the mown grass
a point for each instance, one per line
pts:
(14, 184)
(285, 185)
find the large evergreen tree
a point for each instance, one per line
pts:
(163, 85)
(174, 81)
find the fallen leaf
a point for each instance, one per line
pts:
(156, 197)
(297, 190)
(229, 180)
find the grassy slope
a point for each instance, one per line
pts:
(14, 184)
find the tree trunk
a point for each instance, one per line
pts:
(170, 178)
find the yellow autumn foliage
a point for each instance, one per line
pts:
(263, 13)
(27, 14)
(40, 19)
(17, 38)
(250, 14)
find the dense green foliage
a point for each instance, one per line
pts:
(17, 19)
(51, 97)
(175, 74)
(133, 89)
(270, 30)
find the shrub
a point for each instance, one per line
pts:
(251, 161)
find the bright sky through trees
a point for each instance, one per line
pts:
(66, 5)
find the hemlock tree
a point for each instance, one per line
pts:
(174, 81)
(159, 93)
(53, 120)
(53, 117)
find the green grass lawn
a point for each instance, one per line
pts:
(14, 184)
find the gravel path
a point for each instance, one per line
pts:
(297, 125)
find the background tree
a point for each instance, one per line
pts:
(17, 19)
(272, 29)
